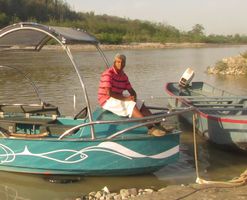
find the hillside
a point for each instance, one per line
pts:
(108, 29)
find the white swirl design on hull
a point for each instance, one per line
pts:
(8, 156)
(70, 156)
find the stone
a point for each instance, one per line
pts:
(106, 190)
(92, 194)
(148, 191)
(98, 194)
(133, 191)
(117, 197)
(124, 193)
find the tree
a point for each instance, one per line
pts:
(3, 19)
(197, 33)
(198, 30)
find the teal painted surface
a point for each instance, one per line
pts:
(134, 152)
(224, 128)
(88, 157)
(105, 130)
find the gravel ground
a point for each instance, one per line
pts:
(173, 192)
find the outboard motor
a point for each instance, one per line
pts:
(186, 77)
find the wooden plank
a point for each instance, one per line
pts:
(210, 100)
(25, 135)
(217, 105)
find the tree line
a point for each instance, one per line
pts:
(108, 29)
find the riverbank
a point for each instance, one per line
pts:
(196, 191)
(174, 192)
(141, 46)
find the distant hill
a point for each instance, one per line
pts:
(108, 29)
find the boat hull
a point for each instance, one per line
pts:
(226, 131)
(115, 157)
(37, 138)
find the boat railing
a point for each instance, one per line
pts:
(156, 118)
(27, 109)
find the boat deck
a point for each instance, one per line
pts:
(214, 101)
(34, 126)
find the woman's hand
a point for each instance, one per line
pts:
(130, 98)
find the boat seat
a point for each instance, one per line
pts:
(23, 125)
(105, 130)
(8, 129)
(101, 114)
(243, 111)
(6, 126)
(55, 129)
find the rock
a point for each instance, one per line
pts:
(117, 197)
(106, 190)
(110, 196)
(92, 194)
(124, 193)
(98, 195)
(148, 191)
(133, 191)
(161, 189)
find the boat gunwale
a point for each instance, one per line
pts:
(216, 117)
(138, 137)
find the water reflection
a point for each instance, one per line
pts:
(34, 187)
(9, 193)
(148, 71)
(213, 165)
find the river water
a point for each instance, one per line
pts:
(148, 71)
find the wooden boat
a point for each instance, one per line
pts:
(221, 117)
(37, 138)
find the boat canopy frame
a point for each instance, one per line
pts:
(33, 36)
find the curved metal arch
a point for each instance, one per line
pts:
(27, 78)
(68, 52)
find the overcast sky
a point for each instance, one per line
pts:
(216, 16)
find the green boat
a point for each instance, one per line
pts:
(220, 116)
(37, 138)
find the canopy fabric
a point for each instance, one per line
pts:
(35, 36)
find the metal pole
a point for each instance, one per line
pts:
(83, 88)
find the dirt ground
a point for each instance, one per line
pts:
(200, 192)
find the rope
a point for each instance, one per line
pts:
(238, 181)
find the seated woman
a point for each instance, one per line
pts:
(113, 83)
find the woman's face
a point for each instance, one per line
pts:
(119, 64)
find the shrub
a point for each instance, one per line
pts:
(244, 55)
(221, 66)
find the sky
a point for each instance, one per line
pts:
(224, 17)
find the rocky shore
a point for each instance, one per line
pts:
(173, 192)
(235, 65)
